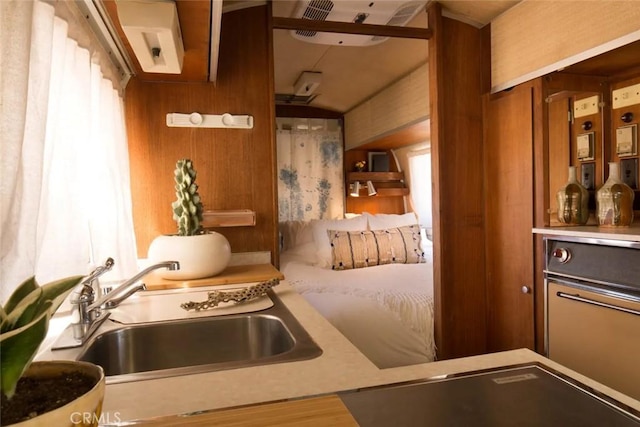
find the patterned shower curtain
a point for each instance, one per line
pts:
(310, 172)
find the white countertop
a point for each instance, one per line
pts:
(594, 232)
(340, 367)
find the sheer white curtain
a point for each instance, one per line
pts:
(310, 171)
(66, 200)
(420, 174)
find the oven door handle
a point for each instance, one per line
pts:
(577, 297)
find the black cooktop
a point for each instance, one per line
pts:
(530, 395)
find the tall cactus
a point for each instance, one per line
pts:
(187, 210)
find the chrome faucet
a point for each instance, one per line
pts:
(85, 294)
(89, 310)
(129, 287)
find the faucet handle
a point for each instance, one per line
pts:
(99, 271)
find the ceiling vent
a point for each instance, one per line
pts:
(389, 12)
(290, 99)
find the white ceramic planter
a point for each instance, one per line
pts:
(85, 410)
(203, 255)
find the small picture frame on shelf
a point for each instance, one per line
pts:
(626, 140)
(584, 146)
(378, 161)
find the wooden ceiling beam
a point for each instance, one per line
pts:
(281, 23)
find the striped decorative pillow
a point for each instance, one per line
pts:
(359, 249)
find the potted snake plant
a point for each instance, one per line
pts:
(47, 393)
(200, 253)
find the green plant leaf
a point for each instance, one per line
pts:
(25, 312)
(3, 316)
(18, 348)
(20, 293)
(31, 306)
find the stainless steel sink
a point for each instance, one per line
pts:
(180, 347)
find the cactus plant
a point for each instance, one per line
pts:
(187, 210)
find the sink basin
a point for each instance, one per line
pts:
(180, 347)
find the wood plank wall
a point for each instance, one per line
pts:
(455, 61)
(236, 168)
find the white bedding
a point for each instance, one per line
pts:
(386, 311)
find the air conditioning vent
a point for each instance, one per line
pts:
(288, 99)
(403, 15)
(317, 10)
(389, 12)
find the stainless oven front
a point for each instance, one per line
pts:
(592, 309)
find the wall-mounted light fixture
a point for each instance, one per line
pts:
(355, 189)
(371, 190)
(153, 30)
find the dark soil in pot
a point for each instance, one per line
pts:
(35, 396)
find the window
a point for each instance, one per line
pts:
(420, 182)
(66, 199)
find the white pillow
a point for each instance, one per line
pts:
(385, 221)
(304, 254)
(295, 233)
(321, 238)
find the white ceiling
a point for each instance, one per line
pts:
(351, 74)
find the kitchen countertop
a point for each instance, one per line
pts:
(341, 367)
(594, 232)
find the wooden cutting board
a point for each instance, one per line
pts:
(231, 275)
(313, 412)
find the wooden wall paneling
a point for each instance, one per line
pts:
(353, 156)
(375, 205)
(559, 158)
(599, 135)
(236, 167)
(541, 195)
(509, 218)
(386, 201)
(458, 200)
(245, 83)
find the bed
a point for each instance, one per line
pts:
(384, 306)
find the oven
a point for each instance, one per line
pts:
(592, 309)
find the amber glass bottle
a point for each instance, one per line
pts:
(614, 201)
(573, 201)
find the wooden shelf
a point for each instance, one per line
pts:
(391, 192)
(388, 184)
(375, 176)
(229, 218)
(385, 192)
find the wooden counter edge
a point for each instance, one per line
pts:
(231, 275)
(312, 412)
